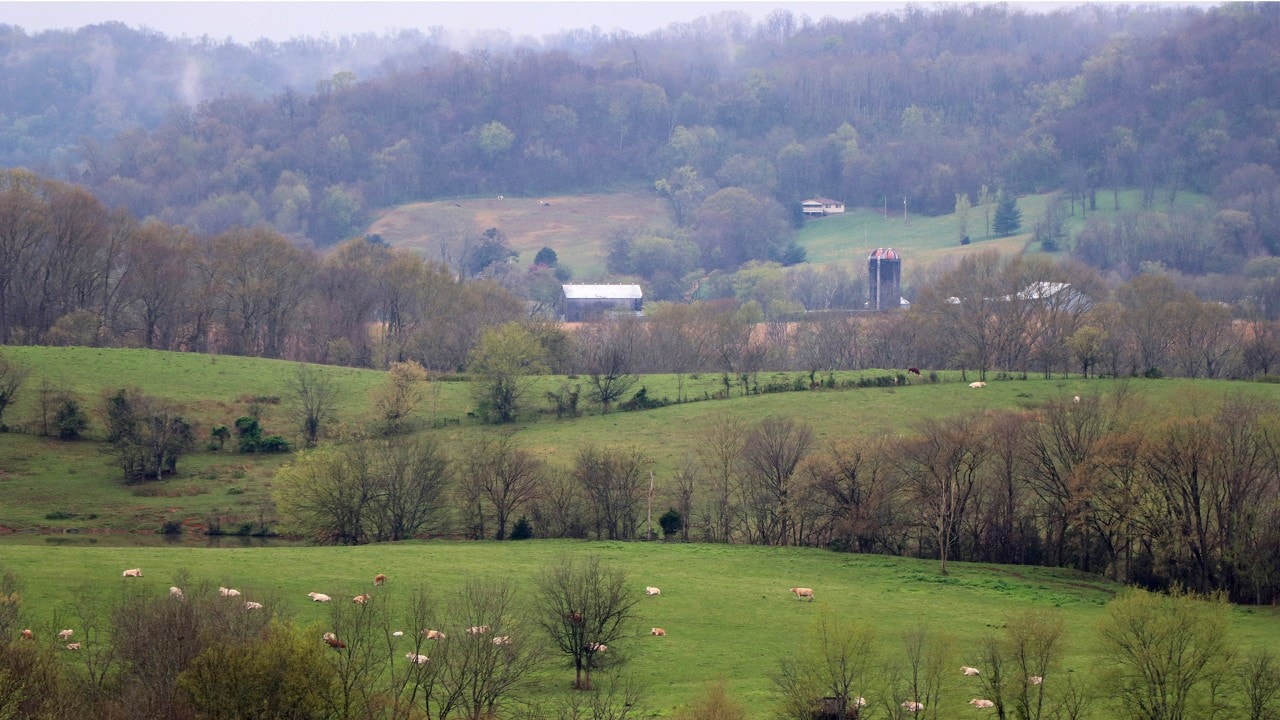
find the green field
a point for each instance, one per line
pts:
(726, 609)
(578, 227)
(54, 487)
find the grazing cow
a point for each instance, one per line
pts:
(980, 703)
(477, 629)
(860, 701)
(1035, 679)
(802, 593)
(176, 593)
(73, 646)
(64, 635)
(914, 371)
(968, 670)
(978, 384)
(433, 634)
(502, 640)
(362, 599)
(398, 633)
(652, 591)
(333, 641)
(251, 605)
(379, 579)
(228, 592)
(28, 635)
(912, 706)
(597, 647)
(544, 203)
(417, 659)
(133, 572)
(1076, 399)
(319, 597)
(658, 632)
(574, 617)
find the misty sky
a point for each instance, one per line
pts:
(245, 22)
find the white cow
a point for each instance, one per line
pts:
(912, 706)
(319, 597)
(978, 384)
(802, 593)
(652, 591)
(968, 670)
(133, 572)
(228, 592)
(251, 605)
(980, 703)
(175, 592)
(417, 659)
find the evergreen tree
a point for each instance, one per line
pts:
(1008, 217)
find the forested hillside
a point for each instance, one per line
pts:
(917, 105)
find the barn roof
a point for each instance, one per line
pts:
(602, 292)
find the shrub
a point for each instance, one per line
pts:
(59, 515)
(171, 527)
(71, 420)
(522, 530)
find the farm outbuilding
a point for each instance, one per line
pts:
(584, 302)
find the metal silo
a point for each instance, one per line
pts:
(884, 269)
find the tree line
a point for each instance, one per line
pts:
(1099, 483)
(73, 272)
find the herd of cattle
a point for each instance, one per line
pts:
(380, 579)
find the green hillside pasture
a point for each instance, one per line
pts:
(726, 609)
(73, 491)
(852, 236)
(577, 227)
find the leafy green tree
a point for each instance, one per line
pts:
(506, 361)
(399, 395)
(147, 435)
(546, 256)
(11, 377)
(70, 419)
(281, 675)
(734, 226)
(492, 249)
(1164, 653)
(1008, 218)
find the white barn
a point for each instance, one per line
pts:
(583, 302)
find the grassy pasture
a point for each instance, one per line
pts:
(53, 487)
(726, 608)
(577, 227)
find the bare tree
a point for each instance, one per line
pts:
(585, 607)
(829, 672)
(487, 664)
(366, 490)
(608, 355)
(507, 476)
(614, 480)
(316, 396)
(718, 453)
(941, 466)
(1259, 678)
(771, 453)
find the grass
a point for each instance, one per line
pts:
(72, 489)
(577, 227)
(726, 608)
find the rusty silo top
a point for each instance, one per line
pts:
(884, 254)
